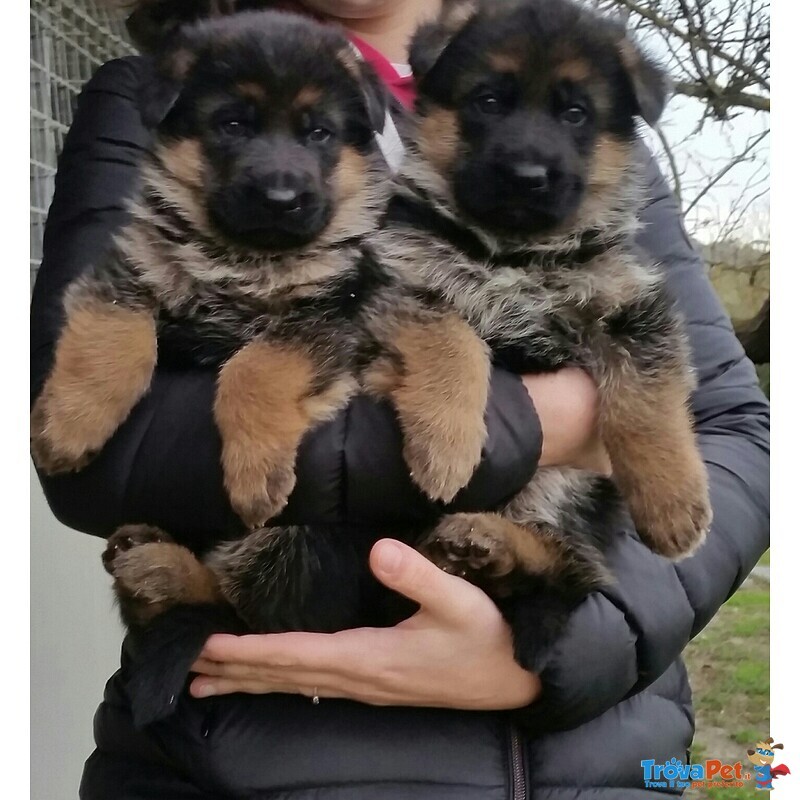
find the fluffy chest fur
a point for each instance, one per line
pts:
(211, 299)
(513, 306)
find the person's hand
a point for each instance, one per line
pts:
(567, 405)
(455, 652)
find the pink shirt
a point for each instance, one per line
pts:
(401, 86)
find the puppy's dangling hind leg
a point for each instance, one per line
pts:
(583, 512)
(162, 655)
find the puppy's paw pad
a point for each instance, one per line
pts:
(149, 574)
(128, 537)
(469, 546)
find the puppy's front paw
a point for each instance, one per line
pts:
(128, 537)
(51, 456)
(471, 546)
(673, 518)
(259, 489)
(442, 465)
(151, 578)
(149, 573)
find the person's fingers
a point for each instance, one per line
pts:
(204, 687)
(284, 676)
(338, 652)
(408, 572)
(309, 685)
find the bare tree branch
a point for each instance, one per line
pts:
(751, 145)
(646, 11)
(724, 99)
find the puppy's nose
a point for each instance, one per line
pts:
(533, 176)
(283, 198)
(278, 201)
(282, 193)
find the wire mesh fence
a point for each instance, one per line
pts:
(69, 40)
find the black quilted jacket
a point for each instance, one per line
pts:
(615, 690)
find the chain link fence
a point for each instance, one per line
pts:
(69, 40)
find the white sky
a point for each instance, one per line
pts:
(706, 153)
(700, 155)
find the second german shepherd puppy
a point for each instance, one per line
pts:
(518, 204)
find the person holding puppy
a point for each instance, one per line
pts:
(614, 690)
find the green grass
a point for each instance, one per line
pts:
(748, 626)
(752, 677)
(729, 670)
(747, 736)
(756, 601)
(764, 560)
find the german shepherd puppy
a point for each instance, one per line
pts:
(518, 205)
(248, 251)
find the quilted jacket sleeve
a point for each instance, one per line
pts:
(620, 640)
(163, 464)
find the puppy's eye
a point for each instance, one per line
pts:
(235, 127)
(489, 103)
(574, 115)
(319, 135)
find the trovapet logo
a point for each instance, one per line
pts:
(714, 773)
(674, 774)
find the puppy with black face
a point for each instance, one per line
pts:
(251, 250)
(541, 96)
(263, 182)
(518, 204)
(281, 126)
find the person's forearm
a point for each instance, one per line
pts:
(566, 403)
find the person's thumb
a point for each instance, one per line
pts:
(408, 572)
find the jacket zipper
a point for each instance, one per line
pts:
(519, 789)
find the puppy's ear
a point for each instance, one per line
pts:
(431, 39)
(162, 84)
(152, 23)
(650, 84)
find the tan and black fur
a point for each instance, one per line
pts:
(251, 250)
(518, 204)
(544, 278)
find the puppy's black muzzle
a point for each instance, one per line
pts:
(518, 194)
(273, 211)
